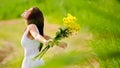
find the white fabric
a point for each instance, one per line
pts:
(30, 50)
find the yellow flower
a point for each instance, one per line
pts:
(70, 23)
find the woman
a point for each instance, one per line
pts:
(34, 38)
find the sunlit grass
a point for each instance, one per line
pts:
(73, 58)
(11, 33)
(99, 19)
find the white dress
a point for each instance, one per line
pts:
(30, 50)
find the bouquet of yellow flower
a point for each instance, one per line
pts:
(69, 27)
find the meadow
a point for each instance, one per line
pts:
(96, 46)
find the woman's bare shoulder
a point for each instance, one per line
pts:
(31, 26)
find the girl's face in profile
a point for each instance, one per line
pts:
(26, 13)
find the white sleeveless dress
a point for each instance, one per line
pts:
(30, 50)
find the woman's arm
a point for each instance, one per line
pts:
(33, 31)
(62, 45)
(47, 37)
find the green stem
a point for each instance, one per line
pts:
(40, 54)
(44, 51)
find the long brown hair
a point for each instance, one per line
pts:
(36, 17)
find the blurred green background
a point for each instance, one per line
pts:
(96, 46)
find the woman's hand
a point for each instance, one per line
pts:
(62, 45)
(49, 41)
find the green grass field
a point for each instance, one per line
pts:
(96, 46)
